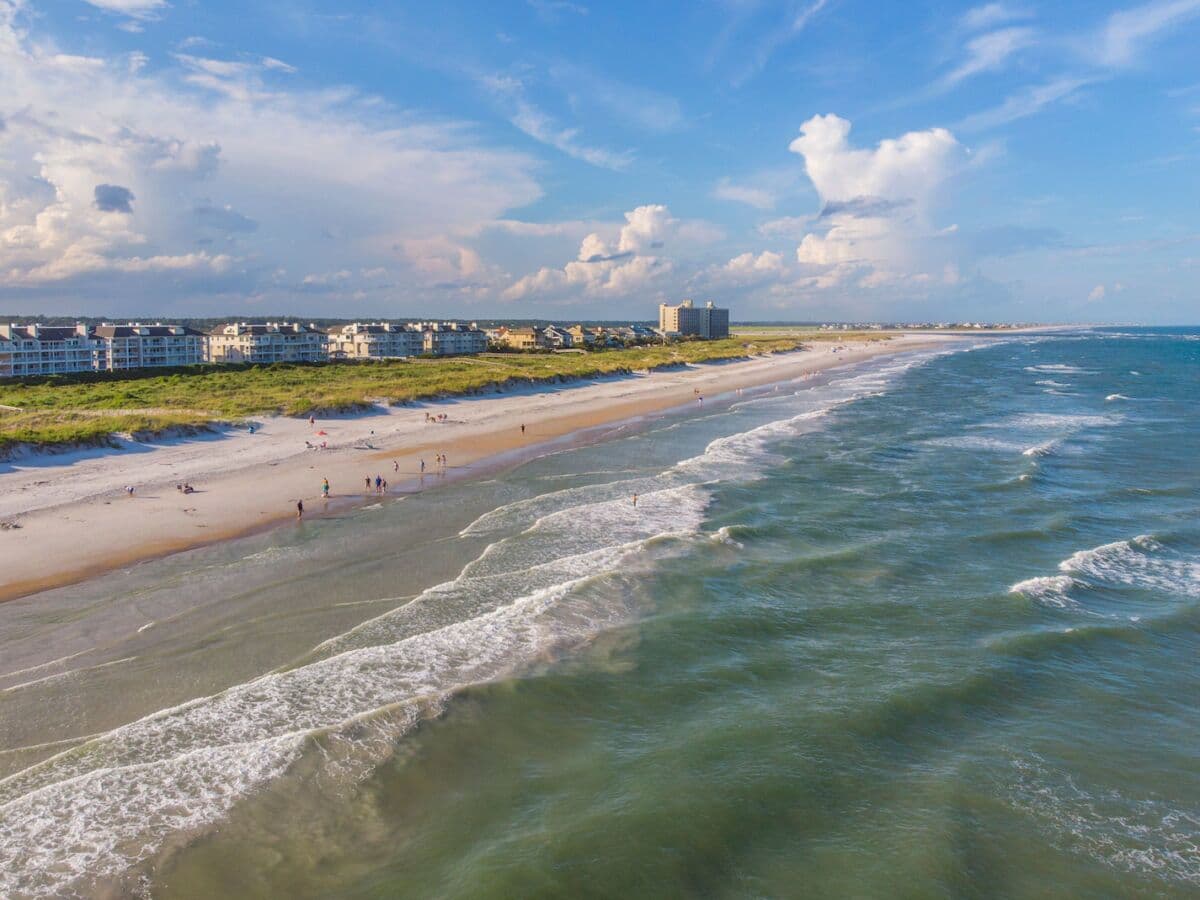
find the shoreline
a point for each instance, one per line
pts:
(247, 484)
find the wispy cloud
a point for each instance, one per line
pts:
(542, 127)
(796, 20)
(627, 104)
(1025, 103)
(990, 15)
(1126, 33)
(989, 52)
(759, 198)
(134, 9)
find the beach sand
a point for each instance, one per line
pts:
(76, 521)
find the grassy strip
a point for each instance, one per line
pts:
(48, 428)
(90, 407)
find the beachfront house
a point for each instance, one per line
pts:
(558, 338)
(583, 336)
(267, 342)
(375, 340)
(523, 338)
(709, 322)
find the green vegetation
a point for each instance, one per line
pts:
(90, 407)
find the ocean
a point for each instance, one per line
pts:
(928, 626)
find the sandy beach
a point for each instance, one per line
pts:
(76, 520)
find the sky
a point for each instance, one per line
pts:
(815, 160)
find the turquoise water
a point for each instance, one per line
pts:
(924, 628)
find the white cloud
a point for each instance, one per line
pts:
(135, 9)
(330, 179)
(270, 62)
(748, 269)
(876, 203)
(910, 166)
(1127, 31)
(1097, 293)
(604, 266)
(795, 21)
(989, 52)
(1025, 103)
(542, 127)
(794, 227)
(990, 15)
(759, 198)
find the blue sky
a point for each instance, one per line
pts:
(825, 159)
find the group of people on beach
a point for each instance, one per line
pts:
(440, 417)
(381, 485)
(185, 488)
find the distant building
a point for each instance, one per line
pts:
(452, 338)
(138, 346)
(375, 340)
(581, 336)
(267, 342)
(709, 322)
(522, 338)
(558, 338)
(47, 350)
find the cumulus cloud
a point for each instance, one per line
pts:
(876, 202)
(1097, 293)
(747, 267)
(303, 180)
(899, 168)
(604, 266)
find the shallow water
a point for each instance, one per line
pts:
(929, 628)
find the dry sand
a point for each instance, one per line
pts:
(76, 521)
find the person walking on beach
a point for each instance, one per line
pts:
(522, 428)
(422, 466)
(378, 483)
(299, 509)
(395, 466)
(367, 481)
(635, 499)
(325, 488)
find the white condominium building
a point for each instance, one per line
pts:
(375, 340)
(709, 322)
(140, 346)
(452, 338)
(47, 350)
(267, 342)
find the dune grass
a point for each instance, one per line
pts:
(91, 407)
